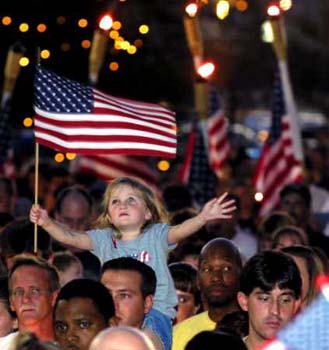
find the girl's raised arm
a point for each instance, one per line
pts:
(58, 231)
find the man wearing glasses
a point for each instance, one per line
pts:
(33, 287)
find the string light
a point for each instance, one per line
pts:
(163, 165)
(70, 156)
(6, 21)
(59, 157)
(28, 122)
(144, 29)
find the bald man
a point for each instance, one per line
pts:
(121, 338)
(218, 275)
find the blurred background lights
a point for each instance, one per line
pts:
(285, 5)
(59, 157)
(65, 47)
(61, 20)
(41, 28)
(114, 66)
(85, 44)
(206, 70)
(273, 10)
(241, 5)
(267, 32)
(23, 27)
(24, 61)
(106, 22)
(191, 9)
(116, 25)
(132, 49)
(45, 54)
(163, 165)
(82, 23)
(258, 197)
(144, 29)
(114, 34)
(6, 20)
(28, 122)
(138, 43)
(222, 9)
(70, 156)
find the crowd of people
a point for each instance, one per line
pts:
(118, 267)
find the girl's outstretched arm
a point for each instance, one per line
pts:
(217, 208)
(58, 231)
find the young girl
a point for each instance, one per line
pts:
(131, 226)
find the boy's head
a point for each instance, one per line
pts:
(270, 290)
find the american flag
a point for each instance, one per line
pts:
(309, 330)
(108, 167)
(281, 160)
(207, 151)
(196, 172)
(219, 146)
(72, 117)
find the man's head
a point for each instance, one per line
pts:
(132, 285)
(33, 286)
(123, 338)
(270, 289)
(73, 208)
(218, 274)
(296, 200)
(83, 308)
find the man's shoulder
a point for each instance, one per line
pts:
(187, 329)
(8, 342)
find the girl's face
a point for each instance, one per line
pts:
(127, 209)
(6, 320)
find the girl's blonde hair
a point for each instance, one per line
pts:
(158, 213)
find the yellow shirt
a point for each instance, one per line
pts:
(184, 331)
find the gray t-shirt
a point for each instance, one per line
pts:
(150, 247)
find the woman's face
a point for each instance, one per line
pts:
(77, 321)
(7, 322)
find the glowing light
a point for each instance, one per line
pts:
(117, 45)
(85, 44)
(114, 66)
(65, 47)
(222, 9)
(191, 9)
(23, 27)
(285, 5)
(163, 165)
(258, 196)
(125, 45)
(41, 28)
(116, 25)
(144, 29)
(70, 156)
(132, 50)
(45, 54)
(138, 43)
(241, 5)
(59, 157)
(28, 122)
(106, 22)
(267, 32)
(24, 61)
(206, 70)
(82, 23)
(61, 20)
(273, 11)
(114, 34)
(6, 21)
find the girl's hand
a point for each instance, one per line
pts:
(39, 216)
(218, 208)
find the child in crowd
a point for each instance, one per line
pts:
(131, 225)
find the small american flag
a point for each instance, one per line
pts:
(309, 330)
(72, 117)
(281, 159)
(196, 173)
(219, 146)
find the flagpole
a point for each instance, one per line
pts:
(36, 191)
(36, 178)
